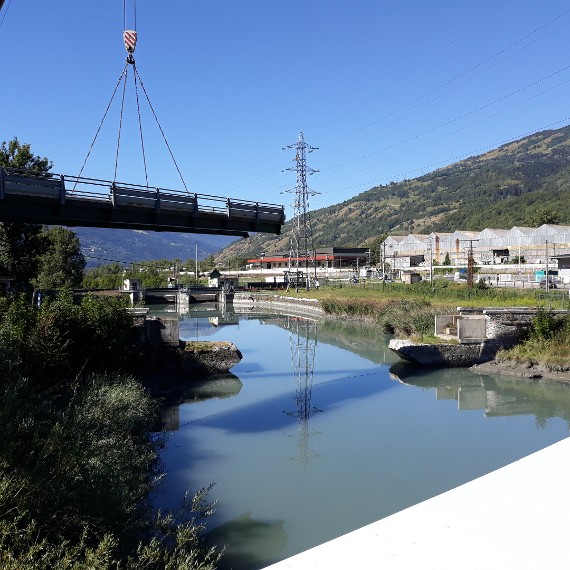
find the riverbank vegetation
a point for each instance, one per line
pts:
(151, 274)
(444, 292)
(64, 339)
(409, 311)
(403, 317)
(547, 344)
(79, 459)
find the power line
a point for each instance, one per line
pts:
(465, 115)
(427, 60)
(448, 161)
(462, 74)
(451, 133)
(449, 82)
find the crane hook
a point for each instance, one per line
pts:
(130, 39)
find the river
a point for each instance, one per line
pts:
(321, 429)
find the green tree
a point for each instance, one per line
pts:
(447, 260)
(20, 244)
(61, 267)
(16, 155)
(208, 264)
(108, 276)
(544, 215)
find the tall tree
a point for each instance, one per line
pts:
(62, 264)
(17, 155)
(20, 244)
(544, 215)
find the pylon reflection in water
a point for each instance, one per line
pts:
(303, 342)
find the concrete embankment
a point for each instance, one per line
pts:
(514, 517)
(162, 348)
(301, 306)
(447, 355)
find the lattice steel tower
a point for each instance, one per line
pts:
(301, 249)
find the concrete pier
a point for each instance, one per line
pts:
(515, 517)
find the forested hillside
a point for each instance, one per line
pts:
(505, 187)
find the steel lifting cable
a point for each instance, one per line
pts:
(125, 14)
(160, 128)
(120, 125)
(130, 39)
(123, 74)
(140, 125)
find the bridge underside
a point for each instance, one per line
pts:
(35, 210)
(46, 198)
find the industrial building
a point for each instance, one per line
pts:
(325, 258)
(490, 246)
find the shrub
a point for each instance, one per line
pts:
(77, 467)
(62, 339)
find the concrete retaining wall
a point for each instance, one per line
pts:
(310, 306)
(449, 355)
(506, 326)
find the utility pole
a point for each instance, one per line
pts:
(546, 284)
(430, 251)
(301, 241)
(196, 264)
(470, 263)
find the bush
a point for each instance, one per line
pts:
(63, 339)
(77, 467)
(547, 345)
(544, 325)
(404, 317)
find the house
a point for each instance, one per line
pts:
(216, 279)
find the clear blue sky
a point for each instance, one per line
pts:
(387, 89)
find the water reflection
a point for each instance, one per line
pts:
(176, 393)
(303, 343)
(250, 542)
(383, 445)
(494, 395)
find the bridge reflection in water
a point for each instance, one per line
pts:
(47, 198)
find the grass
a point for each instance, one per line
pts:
(443, 293)
(548, 344)
(409, 310)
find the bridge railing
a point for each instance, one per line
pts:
(61, 187)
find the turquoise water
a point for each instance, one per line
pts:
(321, 430)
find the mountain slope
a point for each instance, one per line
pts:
(501, 188)
(103, 245)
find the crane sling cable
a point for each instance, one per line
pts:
(130, 40)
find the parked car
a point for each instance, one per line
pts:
(551, 284)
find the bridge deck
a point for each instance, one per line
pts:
(74, 201)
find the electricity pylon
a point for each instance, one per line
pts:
(301, 247)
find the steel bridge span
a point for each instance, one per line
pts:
(57, 199)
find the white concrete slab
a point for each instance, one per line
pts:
(515, 517)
